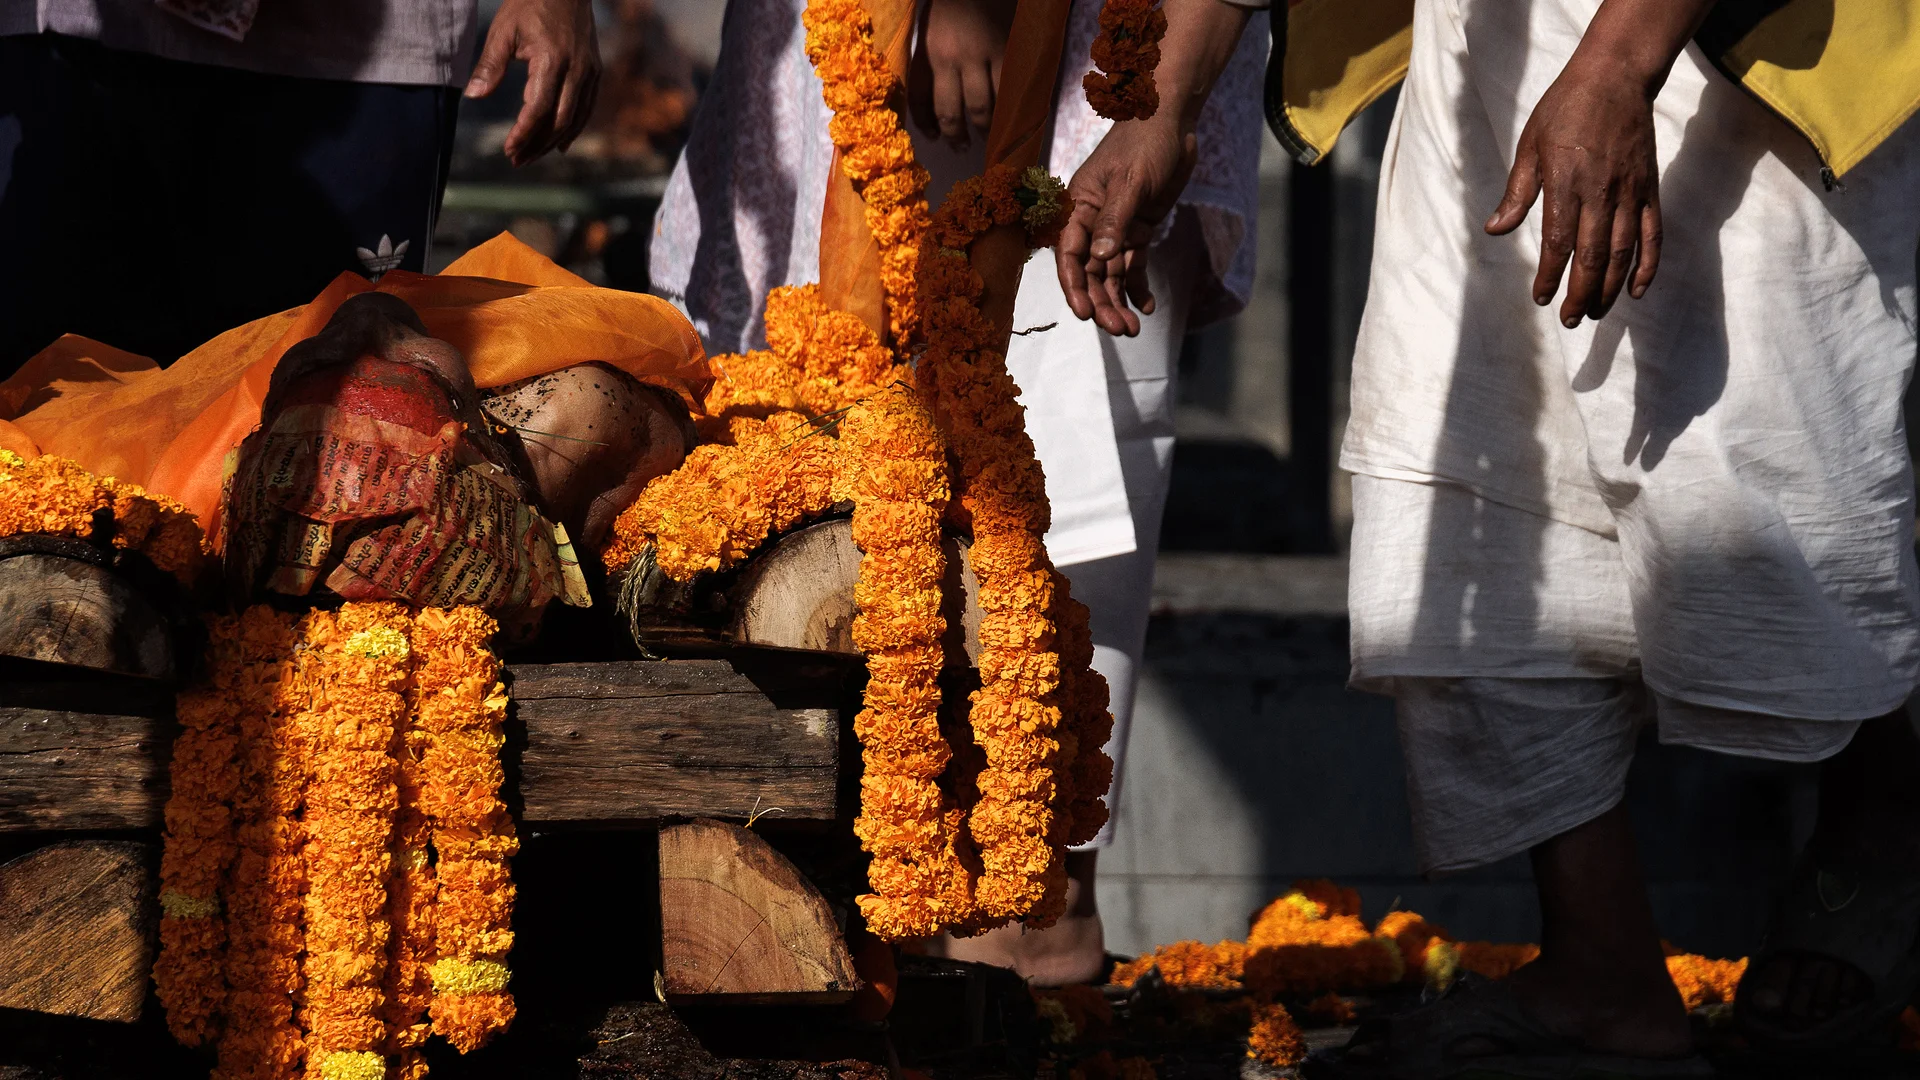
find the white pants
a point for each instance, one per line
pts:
(1509, 653)
(1079, 382)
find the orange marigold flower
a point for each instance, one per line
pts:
(1127, 50)
(1275, 1039)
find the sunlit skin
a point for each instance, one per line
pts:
(555, 39)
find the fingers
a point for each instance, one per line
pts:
(1070, 263)
(1139, 293)
(575, 107)
(977, 83)
(1592, 241)
(950, 105)
(1110, 227)
(492, 65)
(1623, 239)
(1108, 290)
(1650, 236)
(533, 128)
(1523, 186)
(920, 92)
(1559, 231)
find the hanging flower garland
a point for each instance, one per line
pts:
(323, 766)
(1017, 714)
(1023, 788)
(462, 709)
(876, 153)
(1127, 51)
(52, 496)
(912, 828)
(189, 974)
(360, 665)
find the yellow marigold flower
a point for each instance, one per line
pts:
(350, 1065)
(456, 976)
(179, 905)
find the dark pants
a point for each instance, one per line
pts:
(151, 204)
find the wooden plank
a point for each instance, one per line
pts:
(77, 927)
(740, 924)
(635, 742)
(599, 744)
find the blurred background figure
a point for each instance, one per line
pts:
(170, 170)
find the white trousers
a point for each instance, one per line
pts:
(1532, 731)
(1093, 398)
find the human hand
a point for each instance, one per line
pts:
(1129, 182)
(955, 75)
(557, 41)
(1589, 147)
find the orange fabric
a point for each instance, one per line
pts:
(1021, 113)
(511, 311)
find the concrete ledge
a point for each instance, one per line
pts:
(1190, 583)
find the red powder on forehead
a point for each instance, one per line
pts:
(394, 392)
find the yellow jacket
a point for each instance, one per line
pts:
(1844, 73)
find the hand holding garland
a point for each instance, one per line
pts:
(1136, 174)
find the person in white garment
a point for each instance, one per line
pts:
(1578, 513)
(741, 216)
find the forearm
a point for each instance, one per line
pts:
(1201, 38)
(1640, 39)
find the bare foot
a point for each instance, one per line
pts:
(1869, 821)
(1601, 980)
(1642, 1018)
(1070, 951)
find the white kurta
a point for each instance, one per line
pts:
(1735, 438)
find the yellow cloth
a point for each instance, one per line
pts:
(511, 311)
(1846, 75)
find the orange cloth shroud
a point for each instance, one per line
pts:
(512, 312)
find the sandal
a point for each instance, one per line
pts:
(1869, 922)
(1429, 1043)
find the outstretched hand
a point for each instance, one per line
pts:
(1127, 185)
(556, 39)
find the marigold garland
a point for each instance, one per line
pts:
(323, 763)
(462, 711)
(907, 822)
(189, 973)
(958, 843)
(1274, 1038)
(1127, 51)
(55, 497)
(876, 153)
(1017, 717)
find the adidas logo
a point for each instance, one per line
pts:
(383, 258)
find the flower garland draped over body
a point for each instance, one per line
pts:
(967, 828)
(325, 760)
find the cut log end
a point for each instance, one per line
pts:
(798, 593)
(740, 924)
(77, 927)
(59, 604)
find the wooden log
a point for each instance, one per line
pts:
(599, 744)
(798, 594)
(83, 755)
(739, 924)
(61, 602)
(77, 924)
